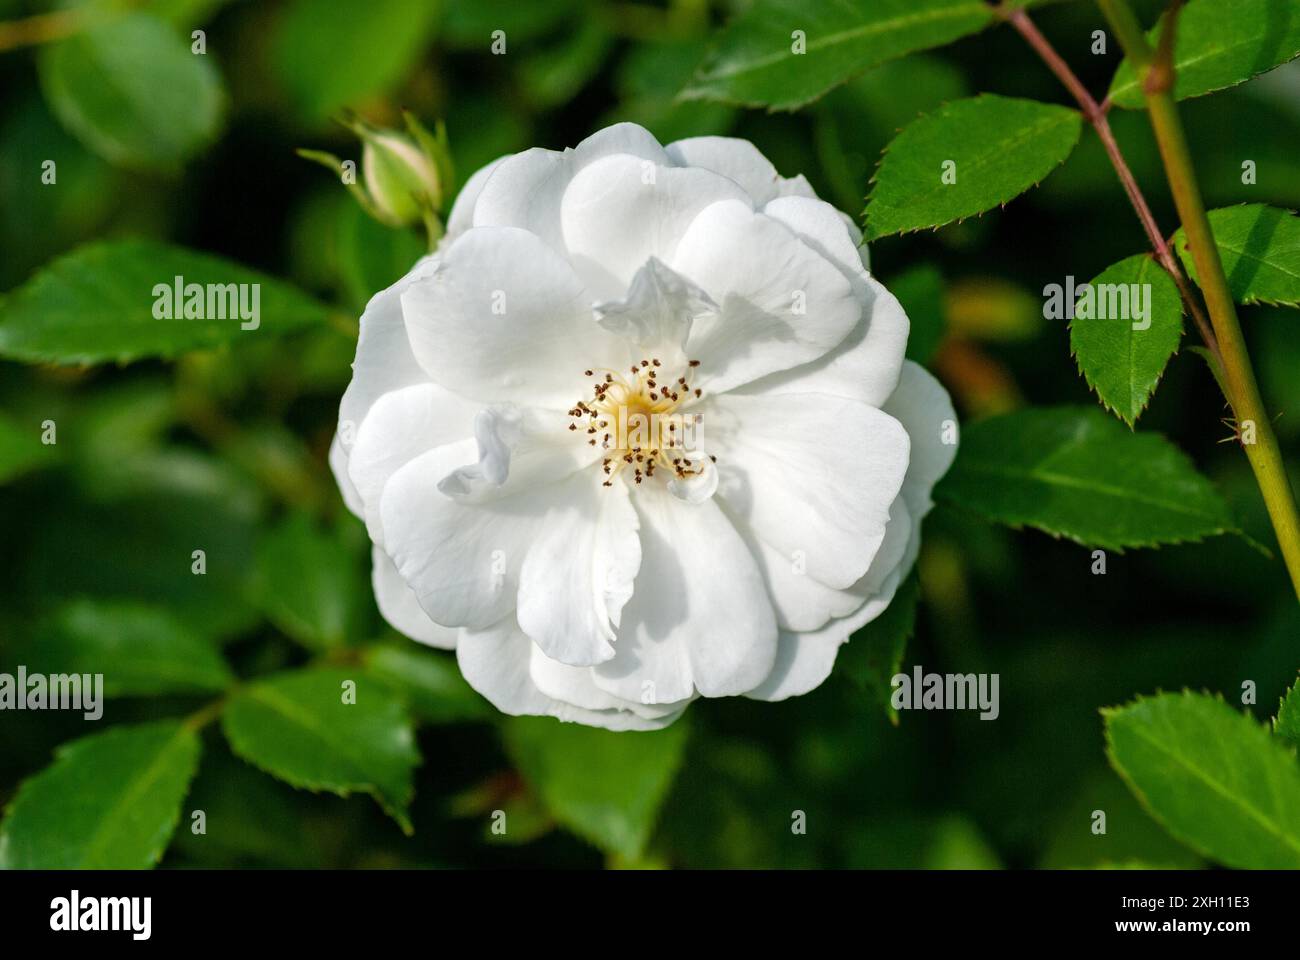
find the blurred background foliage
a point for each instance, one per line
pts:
(225, 449)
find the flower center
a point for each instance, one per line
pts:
(638, 420)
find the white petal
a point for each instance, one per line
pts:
(701, 485)
(803, 662)
(462, 560)
(839, 630)
(384, 361)
(338, 460)
(811, 475)
(864, 255)
(504, 318)
(497, 662)
(458, 537)
(823, 228)
(657, 312)
(782, 303)
(801, 601)
(399, 607)
(796, 186)
(400, 426)
(461, 217)
(526, 189)
(923, 406)
(574, 686)
(618, 213)
(579, 573)
(516, 449)
(740, 161)
(699, 618)
(804, 659)
(866, 365)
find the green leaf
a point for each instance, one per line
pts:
(372, 256)
(606, 787)
(109, 801)
(37, 224)
(429, 681)
(1220, 43)
(140, 650)
(97, 305)
(920, 291)
(755, 63)
(874, 655)
(1260, 249)
(1287, 724)
(967, 157)
(1074, 472)
(133, 92)
(253, 820)
(526, 817)
(647, 80)
(307, 583)
(330, 59)
(854, 123)
(143, 547)
(557, 74)
(1121, 363)
(919, 842)
(21, 450)
(296, 726)
(469, 26)
(1212, 776)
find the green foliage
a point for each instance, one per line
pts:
(164, 520)
(1214, 777)
(1121, 363)
(184, 536)
(21, 449)
(1220, 43)
(372, 257)
(605, 787)
(920, 291)
(648, 80)
(553, 76)
(1073, 472)
(874, 655)
(252, 819)
(1287, 724)
(109, 801)
(298, 727)
(853, 123)
(470, 25)
(97, 304)
(305, 584)
(133, 92)
(755, 64)
(925, 843)
(329, 59)
(965, 158)
(140, 650)
(1260, 249)
(429, 682)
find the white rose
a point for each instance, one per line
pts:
(609, 577)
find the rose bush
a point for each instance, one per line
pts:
(640, 430)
